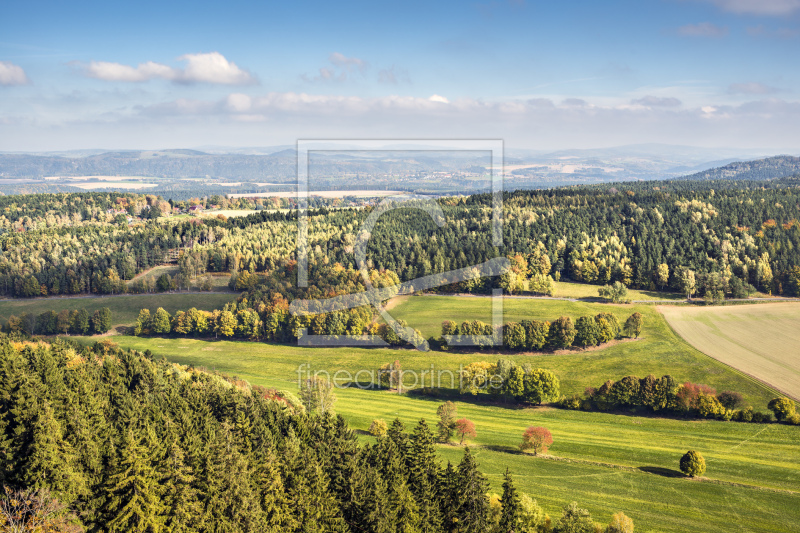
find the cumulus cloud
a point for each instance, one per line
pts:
(210, 67)
(440, 99)
(758, 7)
(11, 74)
(703, 29)
(656, 101)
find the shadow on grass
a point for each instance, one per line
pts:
(505, 449)
(659, 471)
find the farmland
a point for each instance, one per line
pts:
(760, 340)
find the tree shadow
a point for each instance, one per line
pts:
(505, 449)
(660, 471)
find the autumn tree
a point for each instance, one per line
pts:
(538, 439)
(465, 428)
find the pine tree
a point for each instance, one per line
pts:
(50, 461)
(473, 509)
(424, 475)
(132, 500)
(509, 519)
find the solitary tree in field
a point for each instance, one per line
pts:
(465, 428)
(633, 326)
(537, 439)
(692, 464)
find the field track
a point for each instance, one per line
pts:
(760, 340)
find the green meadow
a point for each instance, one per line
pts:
(605, 462)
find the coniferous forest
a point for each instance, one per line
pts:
(99, 439)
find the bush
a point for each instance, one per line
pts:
(693, 464)
(730, 399)
(573, 402)
(782, 407)
(378, 428)
(793, 419)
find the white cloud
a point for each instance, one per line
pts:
(758, 7)
(340, 60)
(11, 74)
(210, 67)
(751, 88)
(656, 101)
(440, 99)
(703, 29)
(342, 66)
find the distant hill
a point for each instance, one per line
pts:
(761, 169)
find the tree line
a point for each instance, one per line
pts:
(66, 321)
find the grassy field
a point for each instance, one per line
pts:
(660, 351)
(761, 340)
(219, 280)
(124, 309)
(566, 289)
(615, 462)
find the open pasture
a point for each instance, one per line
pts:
(761, 340)
(608, 462)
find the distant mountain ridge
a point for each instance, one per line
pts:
(760, 169)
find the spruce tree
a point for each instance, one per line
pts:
(132, 499)
(510, 515)
(473, 504)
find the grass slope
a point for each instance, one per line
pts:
(617, 463)
(660, 351)
(761, 340)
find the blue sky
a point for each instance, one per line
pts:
(541, 75)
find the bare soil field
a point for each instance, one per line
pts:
(760, 340)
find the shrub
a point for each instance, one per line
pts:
(745, 415)
(378, 428)
(793, 419)
(620, 524)
(730, 399)
(782, 407)
(571, 402)
(537, 439)
(693, 464)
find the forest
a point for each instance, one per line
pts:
(100, 439)
(713, 237)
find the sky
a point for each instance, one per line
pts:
(539, 75)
